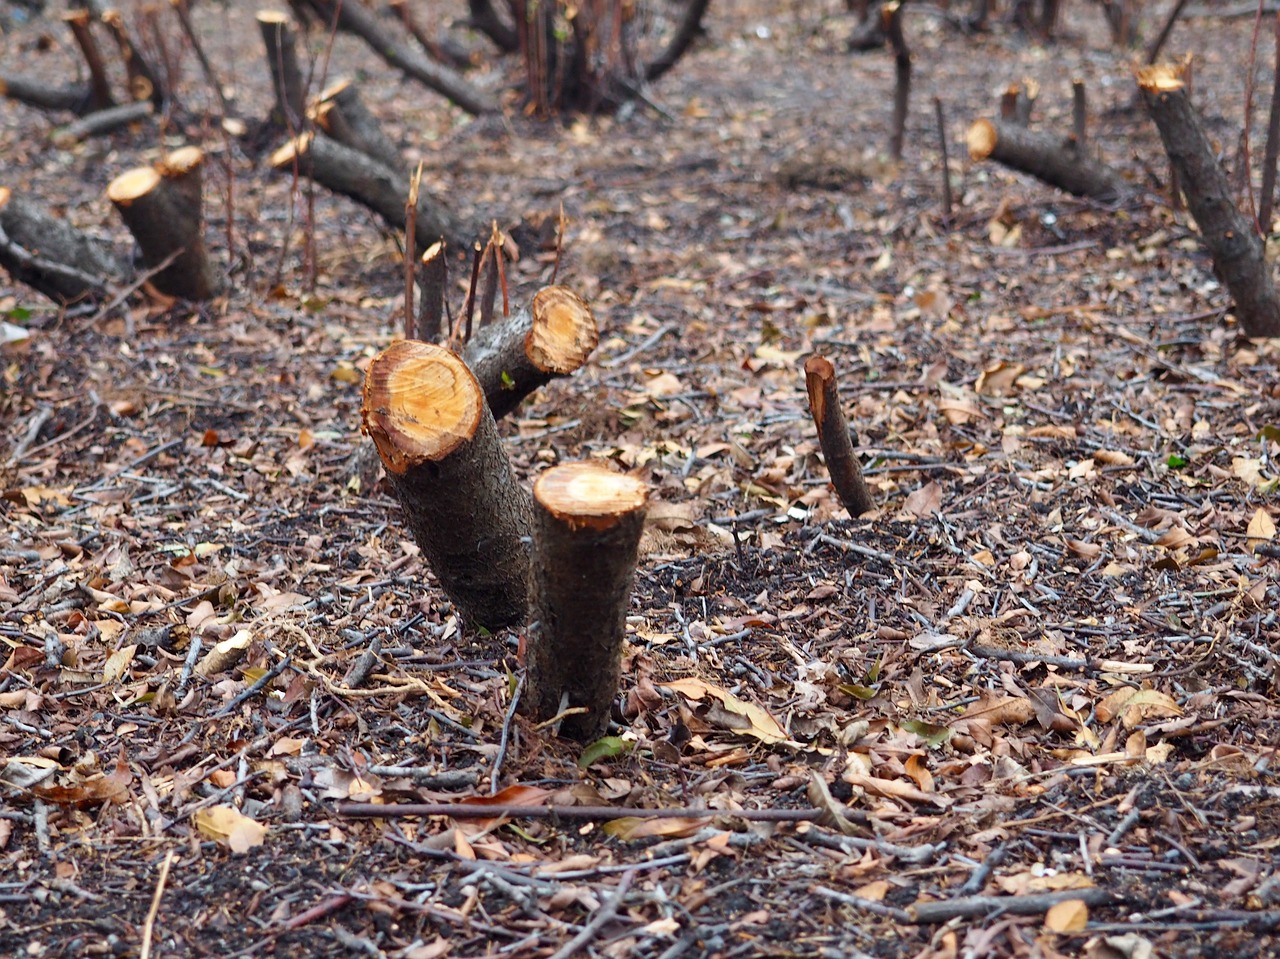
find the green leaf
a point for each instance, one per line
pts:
(507, 382)
(934, 736)
(1176, 462)
(857, 691)
(607, 747)
(1269, 432)
(19, 314)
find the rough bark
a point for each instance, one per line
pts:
(439, 443)
(286, 76)
(586, 532)
(81, 24)
(353, 174)
(36, 93)
(484, 18)
(159, 212)
(833, 435)
(341, 113)
(1054, 160)
(432, 281)
(1239, 257)
(688, 30)
(891, 14)
(51, 256)
(553, 336)
(354, 17)
(143, 82)
(102, 122)
(443, 48)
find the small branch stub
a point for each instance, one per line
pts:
(439, 443)
(586, 530)
(553, 336)
(833, 435)
(1233, 241)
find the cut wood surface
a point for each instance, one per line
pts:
(162, 219)
(1233, 241)
(1054, 159)
(553, 336)
(51, 256)
(341, 113)
(439, 443)
(833, 435)
(353, 174)
(586, 532)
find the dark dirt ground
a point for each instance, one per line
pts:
(1048, 663)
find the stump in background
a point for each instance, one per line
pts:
(163, 212)
(286, 76)
(586, 533)
(439, 443)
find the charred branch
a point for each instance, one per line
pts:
(833, 436)
(483, 17)
(51, 256)
(1058, 161)
(1239, 257)
(75, 98)
(353, 174)
(81, 24)
(586, 533)
(280, 40)
(102, 122)
(439, 443)
(341, 113)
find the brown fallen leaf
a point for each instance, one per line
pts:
(229, 827)
(739, 716)
(1070, 915)
(635, 827)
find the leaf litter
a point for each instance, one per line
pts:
(1045, 667)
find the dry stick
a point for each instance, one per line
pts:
(410, 220)
(101, 122)
(1153, 51)
(1009, 103)
(439, 443)
(360, 20)
(484, 18)
(1026, 102)
(38, 93)
(946, 163)
(833, 435)
(928, 913)
(143, 83)
(189, 31)
(148, 927)
(465, 810)
(469, 309)
(348, 171)
(1079, 113)
(443, 51)
(1233, 241)
(504, 741)
(1267, 200)
(687, 31)
(492, 268)
(891, 14)
(80, 23)
(341, 113)
(1055, 160)
(286, 76)
(1243, 167)
(587, 522)
(432, 283)
(603, 916)
(553, 336)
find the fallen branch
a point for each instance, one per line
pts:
(36, 93)
(466, 810)
(102, 122)
(944, 910)
(1239, 258)
(1057, 161)
(340, 112)
(353, 174)
(282, 61)
(358, 19)
(50, 255)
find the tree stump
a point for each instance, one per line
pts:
(164, 216)
(586, 534)
(439, 443)
(553, 336)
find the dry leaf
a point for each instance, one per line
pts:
(634, 827)
(1262, 528)
(925, 501)
(752, 720)
(229, 827)
(1070, 915)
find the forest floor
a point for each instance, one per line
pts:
(1045, 666)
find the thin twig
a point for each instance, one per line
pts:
(148, 928)
(505, 741)
(604, 915)
(465, 810)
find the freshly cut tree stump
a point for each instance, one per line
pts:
(160, 213)
(286, 76)
(347, 171)
(833, 435)
(553, 336)
(51, 256)
(1239, 257)
(439, 443)
(183, 170)
(341, 113)
(586, 533)
(1055, 160)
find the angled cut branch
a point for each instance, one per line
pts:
(833, 434)
(1239, 257)
(1056, 160)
